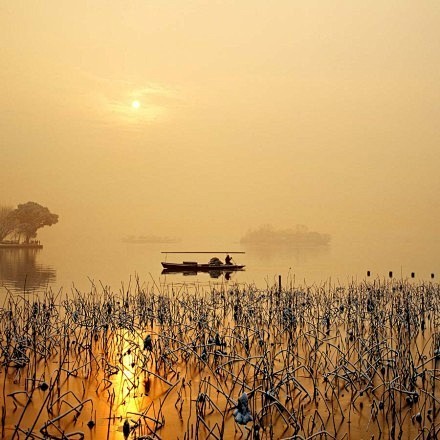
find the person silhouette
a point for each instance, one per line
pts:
(228, 259)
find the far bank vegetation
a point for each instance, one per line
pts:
(298, 236)
(20, 225)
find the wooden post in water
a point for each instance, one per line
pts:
(279, 283)
(413, 274)
(390, 274)
(368, 273)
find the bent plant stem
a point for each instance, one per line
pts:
(46, 399)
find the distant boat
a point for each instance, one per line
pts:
(154, 239)
(300, 237)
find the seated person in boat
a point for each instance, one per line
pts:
(228, 259)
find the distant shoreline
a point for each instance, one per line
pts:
(20, 246)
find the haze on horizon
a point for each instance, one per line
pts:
(207, 118)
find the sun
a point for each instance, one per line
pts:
(135, 104)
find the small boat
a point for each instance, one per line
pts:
(193, 266)
(215, 267)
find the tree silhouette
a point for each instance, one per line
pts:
(27, 218)
(7, 222)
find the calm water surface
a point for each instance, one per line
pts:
(115, 263)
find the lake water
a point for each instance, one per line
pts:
(113, 263)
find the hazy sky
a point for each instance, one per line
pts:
(325, 113)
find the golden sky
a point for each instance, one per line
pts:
(324, 113)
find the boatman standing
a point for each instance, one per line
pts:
(228, 259)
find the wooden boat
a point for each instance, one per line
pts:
(193, 266)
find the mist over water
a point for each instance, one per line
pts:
(116, 263)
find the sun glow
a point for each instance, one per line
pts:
(136, 106)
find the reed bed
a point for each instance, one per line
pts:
(157, 362)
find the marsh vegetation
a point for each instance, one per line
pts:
(162, 361)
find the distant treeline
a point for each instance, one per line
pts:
(21, 224)
(300, 236)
